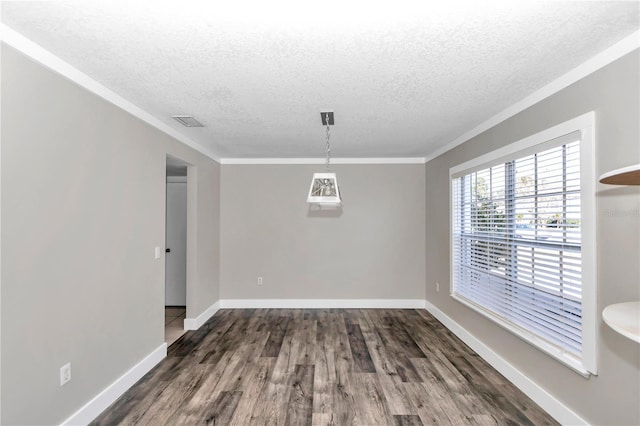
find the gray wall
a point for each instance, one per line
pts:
(83, 194)
(611, 397)
(374, 249)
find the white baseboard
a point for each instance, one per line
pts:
(196, 323)
(323, 303)
(544, 399)
(97, 405)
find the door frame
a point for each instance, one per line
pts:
(192, 232)
(192, 240)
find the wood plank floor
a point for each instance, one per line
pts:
(323, 367)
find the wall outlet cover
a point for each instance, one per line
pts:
(65, 374)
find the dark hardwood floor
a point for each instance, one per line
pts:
(323, 367)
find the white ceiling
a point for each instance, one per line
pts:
(403, 80)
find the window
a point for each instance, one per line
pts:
(523, 240)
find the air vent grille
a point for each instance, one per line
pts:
(187, 120)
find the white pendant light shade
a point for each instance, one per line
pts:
(324, 190)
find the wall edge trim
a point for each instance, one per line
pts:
(602, 59)
(283, 161)
(49, 60)
(322, 303)
(196, 323)
(111, 393)
(537, 393)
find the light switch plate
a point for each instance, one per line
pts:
(65, 374)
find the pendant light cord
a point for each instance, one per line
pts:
(328, 136)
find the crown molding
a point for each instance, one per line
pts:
(44, 57)
(49, 60)
(602, 59)
(281, 161)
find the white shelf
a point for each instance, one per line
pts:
(625, 176)
(624, 318)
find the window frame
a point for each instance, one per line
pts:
(552, 137)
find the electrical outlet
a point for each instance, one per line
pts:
(437, 286)
(259, 280)
(65, 373)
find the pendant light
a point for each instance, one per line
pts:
(324, 189)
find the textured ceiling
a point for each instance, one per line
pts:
(403, 80)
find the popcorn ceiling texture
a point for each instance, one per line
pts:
(402, 81)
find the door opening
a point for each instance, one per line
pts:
(175, 249)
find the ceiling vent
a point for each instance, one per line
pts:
(187, 120)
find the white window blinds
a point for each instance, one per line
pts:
(517, 243)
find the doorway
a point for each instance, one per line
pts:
(175, 249)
